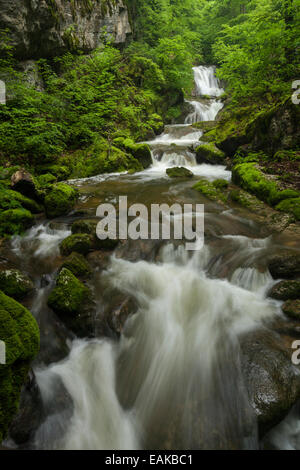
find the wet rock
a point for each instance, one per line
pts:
(273, 382)
(118, 310)
(135, 250)
(72, 301)
(285, 265)
(15, 284)
(292, 309)
(179, 172)
(80, 243)
(77, 264)
(209, 153)
(286, 290)
(23, 182)
(85, 226)
(30, 414)
(15, 221)
(60, 200)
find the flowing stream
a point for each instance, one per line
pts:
(173, 380)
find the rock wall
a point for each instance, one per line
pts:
(47, 28)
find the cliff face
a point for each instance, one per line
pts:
(47, 28)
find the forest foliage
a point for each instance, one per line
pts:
(111, 93)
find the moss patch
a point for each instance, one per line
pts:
(60, 200)
(286, 290)
(179, 172)
(15, 284)
(15, 221)
(69, 295)
(20, 332)
(210, 191)
(81, 243)
(292, 309)
(209, 153)
(77, 264)
(290, 205)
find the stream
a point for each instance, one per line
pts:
(174, 378)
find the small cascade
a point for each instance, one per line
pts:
(203, 111)
(206, 81)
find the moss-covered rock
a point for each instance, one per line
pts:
(46, 180)
(209, 190)
(81, 243)
(69, 294)
(291, 206)
(209, 153)
(179, 172)
(15, 284)
(15, 221)
(20, 333)
(251, 178)
(286, 290)
(85, 226)
(77, 264)
(10, 199)
(60, 200)
(247, 200)
(141, 152)
(61, 172)
(292, 309)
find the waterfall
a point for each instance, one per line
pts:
(184, 136)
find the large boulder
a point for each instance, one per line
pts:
(23, 182)
(15, 284)
(15, 221)
(209, 153)
(179, 172)
(273, 382)
(60, 200)
(71, 300)
(20, 334)
(77, 264)
(286, 290)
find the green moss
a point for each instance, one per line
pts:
(250, 178)
(15, 221)
(80, 243)
(46, 180)
(210, 191)
(247, 200)
(60, 200)
(287, 155)
(141, 152)
(20, 333)
(77, 264)
(290, 205)
(85, 226)
(221, 184)
(179, 172)
(209, 153)
(12, 200)
(15, 284)
(61, 172)
(292, 309)
(69, 295)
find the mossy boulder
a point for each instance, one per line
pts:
(15, 284)
(140, 152)
(85, 226)
(77, 264)
(89, 226)
(285, 266)
(292, 309)
(71, 300)
(80, 243)
(291, 206)
(46, 180)
(20, 333)
(252, 179)
(23, 182)
(60, 200)
(209, 153)
(69, 294)
(15, 221)
(211, 191)
(179, 172)
(10, 199)
(61, 172)
(286, 290)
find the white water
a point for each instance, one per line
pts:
(174, 379)
(206, 81)
(203, 111)
(178, 357)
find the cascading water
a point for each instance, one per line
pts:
(174, 379)
(175, 146)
